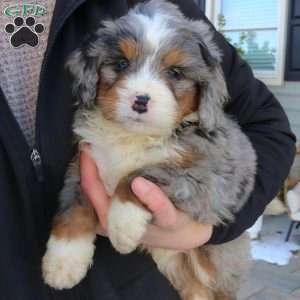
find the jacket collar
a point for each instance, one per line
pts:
(64, 9)
(62, 6)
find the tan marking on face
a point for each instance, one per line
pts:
(78, 221)
(174, 58)
(188, 103)
(129, 48)
(108, 98)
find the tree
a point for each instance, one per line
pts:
(259, 58)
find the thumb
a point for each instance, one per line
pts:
(93, 187)
(155, 200)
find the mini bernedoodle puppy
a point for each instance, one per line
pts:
(151, 93)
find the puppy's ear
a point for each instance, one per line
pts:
(83, 66)
(208, 57)
(213, 97)
(214, 91)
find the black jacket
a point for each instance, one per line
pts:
(28, 200)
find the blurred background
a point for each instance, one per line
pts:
(266, 33)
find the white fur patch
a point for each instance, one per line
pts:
(162, 107)
(156, 28)
(127, 224)
(117, 152)
(66, 262)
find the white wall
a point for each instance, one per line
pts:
(289, 97)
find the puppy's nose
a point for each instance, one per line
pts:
(140, 104)
(142, 98)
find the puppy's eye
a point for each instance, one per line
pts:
(122, 65)
(175, 73)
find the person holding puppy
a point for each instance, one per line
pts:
(36, 111)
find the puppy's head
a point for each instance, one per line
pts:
(150, 69)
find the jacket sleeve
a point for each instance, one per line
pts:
(263, 120)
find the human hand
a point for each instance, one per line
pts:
(170, 229)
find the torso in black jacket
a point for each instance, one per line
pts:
(27, 204)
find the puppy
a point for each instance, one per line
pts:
(151, 93)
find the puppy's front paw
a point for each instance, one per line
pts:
(127, 223)
(66, 262)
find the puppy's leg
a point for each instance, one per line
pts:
(127, 218)
(70, 247)
(190, 272)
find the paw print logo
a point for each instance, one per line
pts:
(24, 32)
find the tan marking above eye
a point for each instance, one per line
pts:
(129, 48)
(175, 57)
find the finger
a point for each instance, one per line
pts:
(183, 238)
(159, 238)
(101, 231)
(84, 147)
(93, 187)
(152, 196)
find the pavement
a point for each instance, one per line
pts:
(267, 281)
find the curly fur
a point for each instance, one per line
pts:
(205, 164)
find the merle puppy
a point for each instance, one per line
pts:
(151, 93)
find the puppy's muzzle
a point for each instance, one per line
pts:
(141, 103)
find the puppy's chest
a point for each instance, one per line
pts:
(117, 158)
(118, 152)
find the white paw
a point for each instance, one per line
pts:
(127, 224)
(66, 262)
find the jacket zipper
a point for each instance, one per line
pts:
(35, 155)
(37, 163)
